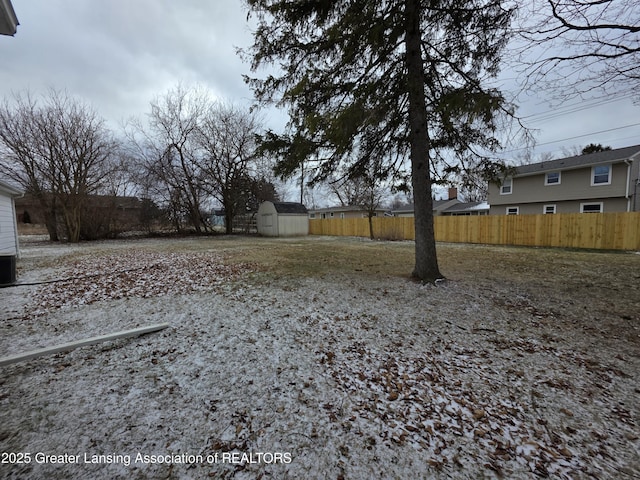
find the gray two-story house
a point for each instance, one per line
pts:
(605, 181)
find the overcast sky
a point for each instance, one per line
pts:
(118, 54)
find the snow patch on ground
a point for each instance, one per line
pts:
(355, 377)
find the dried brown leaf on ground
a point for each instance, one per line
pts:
(510, 368)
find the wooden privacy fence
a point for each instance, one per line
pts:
(608, 231)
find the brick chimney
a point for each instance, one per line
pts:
(453, 193)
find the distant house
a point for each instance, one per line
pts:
(466, 208)
(450, 206)
(282, 219)
(217, 217)
(605, 181)
(8, 20)
(344, 212)
(120, 213)
(9, 247)
(439, 206)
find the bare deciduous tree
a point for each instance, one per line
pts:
(168, 149)
(195, 150)
(227, 136)
(362, 188)
(60, 151)
(581, 46)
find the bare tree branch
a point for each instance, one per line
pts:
(61, 152)
(578, 47)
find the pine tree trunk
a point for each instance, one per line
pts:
(426, 262)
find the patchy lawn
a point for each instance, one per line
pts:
(318, 358)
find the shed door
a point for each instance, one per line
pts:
(268, 224)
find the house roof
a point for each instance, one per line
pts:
(290, 208)
(8, 19)
(468, 207)
(438, 205)
(579, 161)
(408, 208)
(9, 189)
(347, 208)
(121, 201)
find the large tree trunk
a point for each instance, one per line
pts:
(49, 212)
(229, 212)
(51, 223)
(426, 266)
(228, 222)
(71, 217)
(195, 218)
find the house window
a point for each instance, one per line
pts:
(312, 215)
(513, 210)
(549, 209)
(507, 186)
(552, 178)
(591, 207)
(601, 175)
(331, 214)
(342, 215)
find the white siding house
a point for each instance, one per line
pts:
(282, 219)
(9, 249)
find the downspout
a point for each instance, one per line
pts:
(626, 193)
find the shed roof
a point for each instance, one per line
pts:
(290, 208)
(578, 161)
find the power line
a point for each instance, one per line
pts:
(577, 136)
(569, 109)
(588, 134)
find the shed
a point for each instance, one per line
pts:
(9, 249)
(282, 219)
